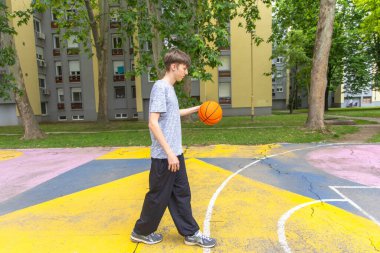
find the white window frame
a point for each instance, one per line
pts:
(76, 90)
(116, 65)
(229, 89)
(74, 68)
(39, 83)
(119, 44)
(59, 95)
(71, 42)
(40, 53)
(46, 109)
(37, 24)
(121, 116)
(226, 63)
(55, 40)
(77, 117)
(59, 118)
(58, 65)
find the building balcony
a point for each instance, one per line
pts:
(77, 106)
(118, 77)
(56, 52)
(225, 100)
(58, 79)
(117, 51)
(74, 79)
(61, 106)
(115, 24)
(53, 24)
(73, 51)
(224, 73)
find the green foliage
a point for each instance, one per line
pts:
(351, 56)
(7, 52)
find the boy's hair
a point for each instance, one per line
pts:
(176, 56)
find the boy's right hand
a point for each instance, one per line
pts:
(173, 162)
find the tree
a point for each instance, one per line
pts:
(370, 31)
(315, 120)
(199, 28)
(13, 81)
(82, 19)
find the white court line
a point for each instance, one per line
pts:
(281, 222)
(354, 204)
(206, 223)
(286, 216)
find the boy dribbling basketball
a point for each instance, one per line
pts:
(168, 182)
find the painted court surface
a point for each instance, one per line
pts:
(270, 198)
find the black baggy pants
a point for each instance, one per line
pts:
(167, 189)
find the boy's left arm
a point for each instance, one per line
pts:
(187, 111)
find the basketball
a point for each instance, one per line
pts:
(210, 113)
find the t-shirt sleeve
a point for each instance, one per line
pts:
(157, 99)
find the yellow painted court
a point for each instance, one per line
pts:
(244, 217)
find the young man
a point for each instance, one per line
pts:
(168, 182)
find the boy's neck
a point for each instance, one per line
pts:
(169, 77)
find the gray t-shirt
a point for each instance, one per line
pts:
(164, 100)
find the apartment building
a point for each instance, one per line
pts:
(61, 80)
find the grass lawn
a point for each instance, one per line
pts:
(277, 128)
(375, 138)
(370, 112)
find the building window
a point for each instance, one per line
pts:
(62, 118)
(42, 82)
(37, 25)
(115, 17)
(118, 71)
(225, 68)
(152, 77)
(279, 73)
(279, 89)
(367, 100)
(58, 72)
(56, 45)
(119, 91)
(131, 45)
(117, 45)
(40, 53)
(76, 98)
(133, 91)
(60, 95)
(61, 99)
(71, 13)
(78, 117)
(74, 68)
(135, 115)
(121, 116)
(44, 108)
(72, 45)
(132, 69)
(56, 41)
(225, 93)
(280, 60)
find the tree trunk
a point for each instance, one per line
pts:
(327, 91)
(187, 90)
(100, 32)
(320, 63)
(32, 129)
(293, 90)
(154, 12)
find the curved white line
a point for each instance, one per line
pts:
(206, 223)
(281, 222)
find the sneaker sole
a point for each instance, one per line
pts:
(134, 239)
(200, 245)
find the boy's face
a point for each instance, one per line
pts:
(180, 71)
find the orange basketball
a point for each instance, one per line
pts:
(210, 113)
